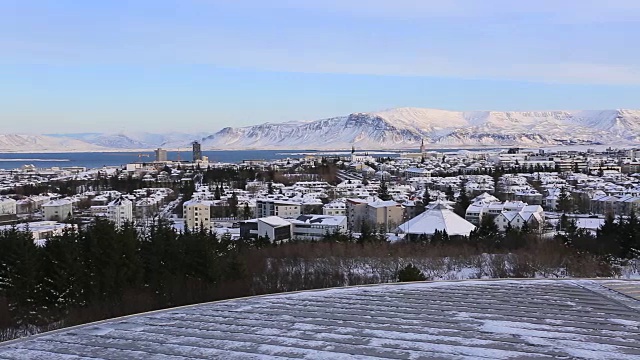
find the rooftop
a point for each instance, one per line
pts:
(494, 319)
(437, 217)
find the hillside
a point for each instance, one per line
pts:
(390, 129)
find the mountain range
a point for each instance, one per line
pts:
(390, 129)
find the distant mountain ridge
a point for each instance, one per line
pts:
(390, 129)
(407, 127)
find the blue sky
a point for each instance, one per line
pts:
(200, 65)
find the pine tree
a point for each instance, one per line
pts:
(426, 198)
(564, 203)
(366, 233)
(629, 236)
(462, 203)
(20, 277)
(410, 273)
(487, 234)
(246, 212)
(450, 194)
(233, 204)
(61, 275)
(216, 193)
(607, 235)
(383, 191)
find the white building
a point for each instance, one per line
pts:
(275, 228)
(8, 206)
(335, 208)
(532, 215)
(491, 206)
(41, 230)
(120, 211)
(439, 217)
(417, 172)
(57, 210)
(283, 209)
(314, 227)
(197, 213)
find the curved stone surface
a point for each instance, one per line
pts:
(506, 319)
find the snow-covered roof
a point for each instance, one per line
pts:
(380, 204)
(501, 319)
(274, 221)
(437, 217)
(319, 219)
(58, 202)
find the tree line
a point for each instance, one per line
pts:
(102, 271)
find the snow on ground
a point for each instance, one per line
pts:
(505, 319)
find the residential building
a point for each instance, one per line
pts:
(314, 227)
(417, 172)
(281, 208)
(480, 207)
(377, 213)
(8, 211)
(197, 213)
(57, 210)
(386, 215)
(8, 206)
(356, 213)
(488, 207)
(120, 211)
(532, 215)
(337, 208)
(146, 208)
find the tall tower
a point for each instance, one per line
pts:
(422, 147)
(161, 154)
(197, 151)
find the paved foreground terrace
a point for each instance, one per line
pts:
(494, 319)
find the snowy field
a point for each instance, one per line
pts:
(503, 319)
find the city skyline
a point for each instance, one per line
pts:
(203, 65)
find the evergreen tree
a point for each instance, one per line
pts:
(383, 191)
(216, 193)
(410, 273)
(450, 194)
(366, 233)
(607, 236)
(487, 235)
(61, 275)
(426, 198)
(629, 236)
(564, 203)
(20, 277)
(246, 212)
(462, 203)
(233, 204)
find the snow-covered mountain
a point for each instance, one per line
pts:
(407, 127)
(135, 140)
(389, 129)
(43, 143)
